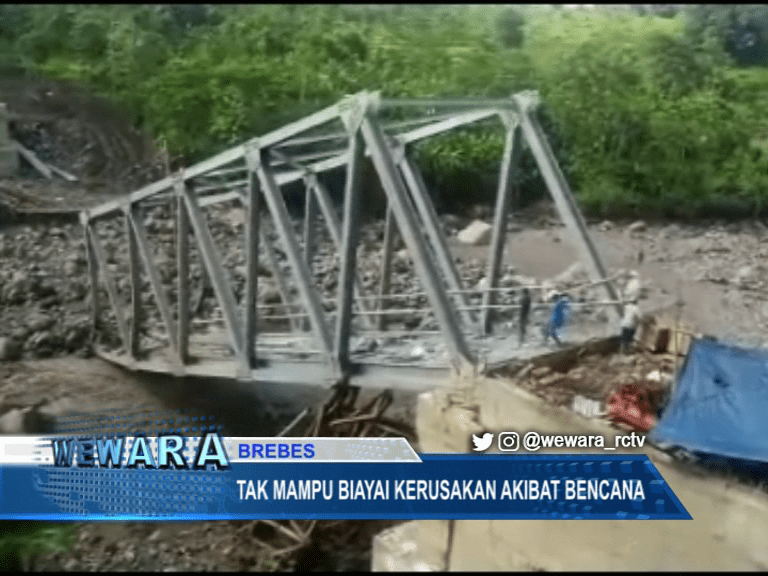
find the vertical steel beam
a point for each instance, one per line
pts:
(109, 282)
(390, 231)
(93, 274)
(310, 216)
(136, 304)
(509, 164)
(216, 273)
(425, 268)
(182, 274)
(563, 197)
(426, 210)
(253, 207)
(285, 230)
(350, 236)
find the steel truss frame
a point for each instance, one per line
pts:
(254, 173)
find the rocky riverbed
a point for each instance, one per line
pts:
(715, 269)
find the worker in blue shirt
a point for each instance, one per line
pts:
(558, 317)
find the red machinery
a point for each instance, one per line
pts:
(635, 404)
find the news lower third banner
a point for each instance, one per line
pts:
(213, 478)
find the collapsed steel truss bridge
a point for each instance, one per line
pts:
(344, 136)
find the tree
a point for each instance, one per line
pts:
(510, 26)
(741, 30)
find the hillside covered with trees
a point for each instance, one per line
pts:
(654, 107)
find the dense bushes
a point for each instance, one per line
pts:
(643, 111)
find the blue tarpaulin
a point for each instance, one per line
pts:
(720, 403)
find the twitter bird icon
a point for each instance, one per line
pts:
(482, 443)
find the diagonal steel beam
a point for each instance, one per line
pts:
(279, 211)
(252, 231)
(216, 273)
(350, 236)
(109, 282)
(93, 273)
(390, 230)
(398, 125)
(326, 207)
(278, 276)
(334, 228)
(136, 222)
(428, 215)
(563, 197)
(427, 272)
(234, 154)
(272, 263)
(510, 161)
(136, 310)
(225, 158)
(310, 217)
(454, 121)
(182, 271)
(312, 184)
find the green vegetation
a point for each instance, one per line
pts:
(20, 540)
(658, 111)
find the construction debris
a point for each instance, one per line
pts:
(300, 544)
(636, 404)
(664, 333)
(586, 407)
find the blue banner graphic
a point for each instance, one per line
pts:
(429, 486)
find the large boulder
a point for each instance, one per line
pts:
(638, 226)
(478, 233)
(10, 349)
(12, 422)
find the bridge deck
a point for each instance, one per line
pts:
(407, 364)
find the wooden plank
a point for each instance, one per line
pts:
(66, 175)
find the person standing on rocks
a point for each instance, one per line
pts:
(558, 318)
(629, 323)
(525, 308)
